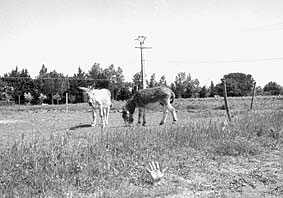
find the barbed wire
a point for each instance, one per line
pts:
(57, 78)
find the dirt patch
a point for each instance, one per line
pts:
(11, 121)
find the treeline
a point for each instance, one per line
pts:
(51, 87)
(237, 85)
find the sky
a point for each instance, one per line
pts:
(204, 38)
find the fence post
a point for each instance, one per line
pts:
(66, 101)
(253, 95)
(19, 98)
(226, 101)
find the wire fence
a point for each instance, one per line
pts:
(59, 90)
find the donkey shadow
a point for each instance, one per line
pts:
(112, 127)
(81, 126)
(90, 126)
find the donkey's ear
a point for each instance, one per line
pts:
(83, 89)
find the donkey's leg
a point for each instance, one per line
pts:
(93, 113)
(165, 112)
(140, 115)
(101, 113)
(107, 115)
(173, 112)
(144, 121)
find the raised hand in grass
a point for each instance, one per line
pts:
(155, 171)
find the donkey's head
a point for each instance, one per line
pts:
(128, 111)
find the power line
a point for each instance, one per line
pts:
(268, 27)
(57, 78)
(226, 61)
(169, 61)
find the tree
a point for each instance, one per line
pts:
(119, 78)
(163, 81)
(6, 92)
(186, 87)
(50, 83)
(28, 97)
(237, 84)
(204, 92)
(3, 85)
(57, 97)
(42, 97)
(192, 88)
(21, 82)
(137, 80)
(152, 82)
(102, 78)
(259, 91)
(96, 71)
(272, 88)
(81, 74)
(115, 79)
(80, 79)
(125, 92)
(108, 78)
(117, 82)
(109, 72)
(180, 84)
(212, 90)
(43, 70)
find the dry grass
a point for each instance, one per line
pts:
(76, 163)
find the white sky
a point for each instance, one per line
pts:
(206, 38)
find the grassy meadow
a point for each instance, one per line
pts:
(47, 151)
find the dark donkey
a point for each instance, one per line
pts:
(149, 99)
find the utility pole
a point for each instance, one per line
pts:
(141, 39)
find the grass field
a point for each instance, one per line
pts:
(48, 152)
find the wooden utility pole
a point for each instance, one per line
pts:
(141, 39)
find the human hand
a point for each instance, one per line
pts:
(155, 171)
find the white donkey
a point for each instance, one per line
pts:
(98, 99)
(149, 99)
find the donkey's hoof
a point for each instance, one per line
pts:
(161, 123)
